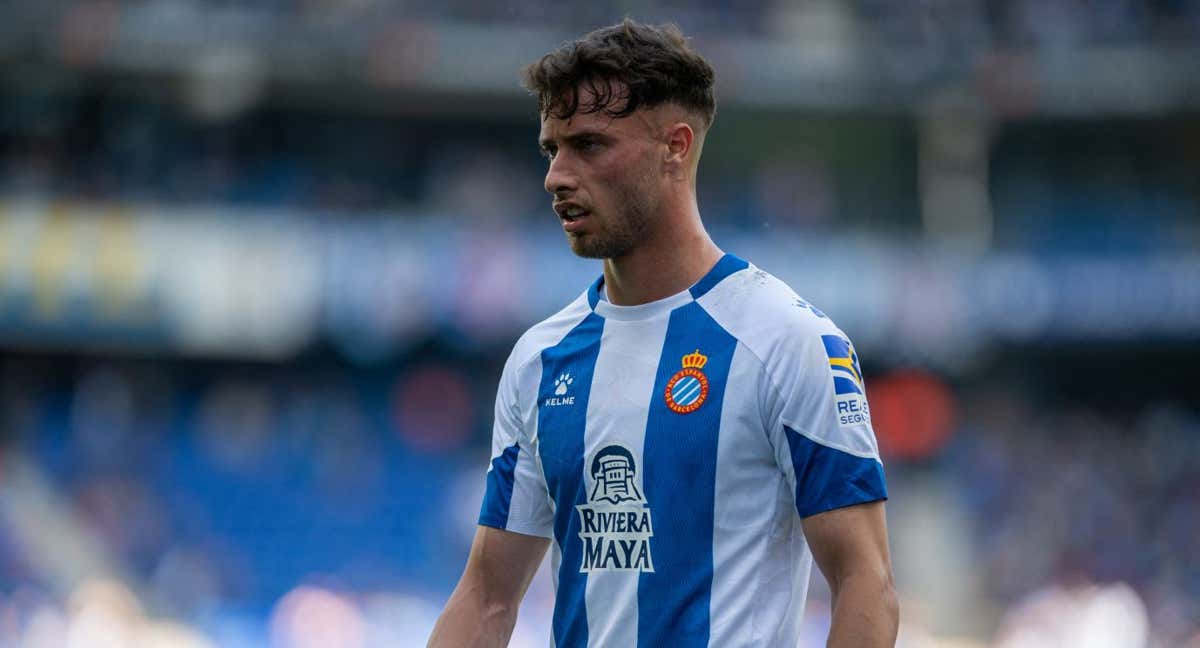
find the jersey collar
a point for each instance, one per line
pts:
(727, 265)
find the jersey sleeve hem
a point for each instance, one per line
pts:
(828, 478)
(858, 498)
(516, 526)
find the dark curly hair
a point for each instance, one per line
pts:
(651, 65)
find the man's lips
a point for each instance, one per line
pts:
(571, 223)
(576, 223)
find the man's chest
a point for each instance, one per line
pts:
(643, 414)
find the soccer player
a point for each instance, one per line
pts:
(688, 434)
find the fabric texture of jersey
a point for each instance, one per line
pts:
(671, 449)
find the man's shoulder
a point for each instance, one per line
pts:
(763, 312)
(794, 342)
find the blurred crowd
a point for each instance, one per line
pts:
(1105, 185)
(220, 498)
(1028, 22)
(261, 262)
(1070, 494)
(97, 146)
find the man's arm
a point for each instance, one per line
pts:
(850, 546)
(482, 609)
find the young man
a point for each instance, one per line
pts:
(688, 434)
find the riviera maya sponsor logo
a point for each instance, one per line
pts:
(615, 525)
(688, 389)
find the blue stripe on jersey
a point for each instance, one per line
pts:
(498, 498)
(560, 445)
(679, 462)
(828, 478)
(728, 265)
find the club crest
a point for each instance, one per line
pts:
(688, 389)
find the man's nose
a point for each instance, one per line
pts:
(559, 178)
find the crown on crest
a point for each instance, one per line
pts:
(695, 360)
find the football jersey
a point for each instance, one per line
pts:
(670, 450)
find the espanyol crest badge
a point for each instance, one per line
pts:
(687, 390)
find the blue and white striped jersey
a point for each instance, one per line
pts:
(670, 450)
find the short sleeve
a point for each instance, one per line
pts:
(820, 422)
(516, 498)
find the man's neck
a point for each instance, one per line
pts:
(665, 265)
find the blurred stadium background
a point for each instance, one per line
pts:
(261, 263)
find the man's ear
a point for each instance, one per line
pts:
(680, 139)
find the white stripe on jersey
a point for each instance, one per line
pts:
(625, 374)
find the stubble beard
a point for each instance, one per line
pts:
(627, 228)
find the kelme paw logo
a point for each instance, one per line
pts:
(561, 383)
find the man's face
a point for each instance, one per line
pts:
(605, 178)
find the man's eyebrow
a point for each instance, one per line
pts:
(574, 138)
